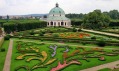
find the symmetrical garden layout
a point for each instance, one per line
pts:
(34, 56)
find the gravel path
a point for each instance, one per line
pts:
(110, 65)
(110, 34)
(8, 57)
(1, 38)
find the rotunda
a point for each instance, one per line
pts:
(56, 17)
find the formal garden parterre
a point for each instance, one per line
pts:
(67, 35)
(37, 52)
(52, 49)
(33, 56)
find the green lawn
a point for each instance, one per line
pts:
(85, 64)
(3, 54)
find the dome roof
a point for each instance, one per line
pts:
(56, 11)
(57, 14)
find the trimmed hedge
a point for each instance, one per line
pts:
(1, 41)
(21, 25)
(73, 40)
(114, 23)
(76, 22)
(2, 49)
(7, 37)
(101, 43)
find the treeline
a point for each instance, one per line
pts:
(21, 25)
(73, 15)
(1, 22)
(78, 22)
(95, 19)
(113, 14)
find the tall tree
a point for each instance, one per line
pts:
(114, 14)
(96, 20)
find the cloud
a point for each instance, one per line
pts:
(44, 6)
(2, 3)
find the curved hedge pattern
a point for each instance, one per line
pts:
(73, 56)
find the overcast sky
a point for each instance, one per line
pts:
(22, 7)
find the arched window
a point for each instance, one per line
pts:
(51, 23)
(62, 23)
(58, 23)
(65, 23)
(48, 23)
(54, 23)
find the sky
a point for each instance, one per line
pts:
(23, 7)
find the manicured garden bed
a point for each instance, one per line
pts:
(65, 35)
(38, 56)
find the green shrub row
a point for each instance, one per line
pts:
(12, 26)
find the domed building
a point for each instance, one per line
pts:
(56, 17)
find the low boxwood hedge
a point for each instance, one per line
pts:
(73, 40)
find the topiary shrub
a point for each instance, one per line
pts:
(41, 34)
(7, 37)
(83, 43)
(79, 30)
(50, 31)
(55, 35)
(101, 43)
(20, 37)
(93, 38)
(74, 30)
(32, 32)
(2, 49)
(41, 39)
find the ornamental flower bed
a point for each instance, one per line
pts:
(74, 35)
(57, 57)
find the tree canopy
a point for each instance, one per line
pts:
(96, 20)
(113, 14)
